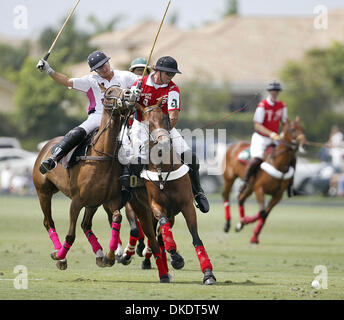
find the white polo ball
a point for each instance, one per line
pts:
(315, 284)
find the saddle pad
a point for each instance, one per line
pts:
(244, 155)
(73, 157)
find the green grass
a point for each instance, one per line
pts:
(297, 237)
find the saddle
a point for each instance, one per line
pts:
(76, 154)
(244, 155)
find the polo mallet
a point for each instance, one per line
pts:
(58, 35)
(150, 55)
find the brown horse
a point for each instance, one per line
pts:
(90, 183)
(168, 192)
(280, 164)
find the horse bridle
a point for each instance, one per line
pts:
(115, 106)
(155, 135)
(159, 132)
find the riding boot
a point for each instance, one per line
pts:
(124, 181)
(291, 190)
(61, 149)
(199, 195)
(251, 171)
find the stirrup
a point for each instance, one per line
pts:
(47, 165)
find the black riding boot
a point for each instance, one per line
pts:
(251, 170)
(199, 195)
(124, 181)
(291, 190)
(69, 141)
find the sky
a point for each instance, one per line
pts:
(27, 18)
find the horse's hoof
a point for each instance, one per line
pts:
(177, 261)
(118, 257)
(165, 279)
(146, 264)
(209, 278)
(100, 262)
(239, 226)
(139, 248)
(227, 226)
(126, 260)
(108, 262)
(54, 255)
(61, 264)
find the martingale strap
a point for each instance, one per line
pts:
(98, 158)
(171, 175)
(273, 172)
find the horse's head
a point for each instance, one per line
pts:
(115, 99)
(293, 133)
(158, 124)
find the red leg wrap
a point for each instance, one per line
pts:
(168, 237)
(227, 210)
(160, 264)
(241, 211)
(203, 259)
(250, 219)
(163, 256)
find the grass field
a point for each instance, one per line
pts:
(299, 235)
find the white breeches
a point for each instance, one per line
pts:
(93, 121)
(259, 144)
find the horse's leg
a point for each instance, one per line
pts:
(229, 180)
(162, 250)
(45, 202)
(147, 253)
(263, 214)
(129, 251)
(119, 250)
(241, 201)
(141, 238)
(74, 211)
(189, 214)
(146, 220)
(166, 231)
(86, 226)
(112, 208)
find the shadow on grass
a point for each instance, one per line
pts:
(221, 283)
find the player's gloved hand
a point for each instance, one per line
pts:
(274, 136)
(43, 65)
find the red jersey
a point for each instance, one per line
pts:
(151, 93)
(270, 115)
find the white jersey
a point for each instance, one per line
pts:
(89, 85)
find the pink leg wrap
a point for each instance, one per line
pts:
(163, 256)
(160, 264)
(168, 237)
(115, 236)
(250, 219)
(203, 259)
(55, 239)
(241, 211)
(227, 210)
(259, 227)
(63, 251)
(93, 241)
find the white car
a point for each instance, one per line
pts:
(19, 161)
